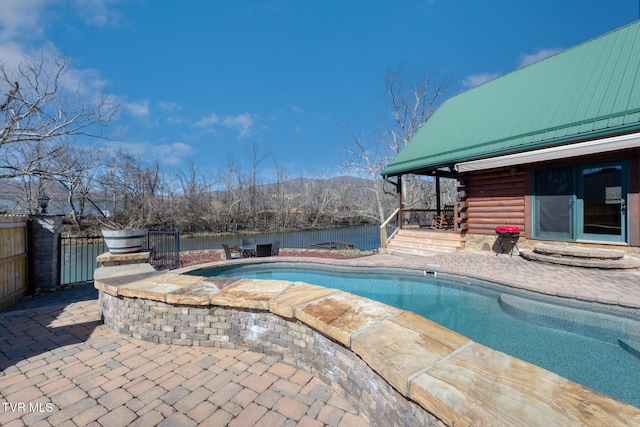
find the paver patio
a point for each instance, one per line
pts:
(60, 366)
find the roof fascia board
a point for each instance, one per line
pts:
(621, 142)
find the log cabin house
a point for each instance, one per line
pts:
(552, 148)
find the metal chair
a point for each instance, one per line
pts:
(228, 253)
(246, 253)
(275, 248)
(263, 250)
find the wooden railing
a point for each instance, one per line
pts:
(383, 228)
(13, 259)
(398, 216)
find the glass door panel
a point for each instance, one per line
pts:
(603, 202)
(554, 197)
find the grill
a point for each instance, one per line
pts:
(510, 232)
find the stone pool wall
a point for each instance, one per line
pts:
(396, 367)
(290, 341)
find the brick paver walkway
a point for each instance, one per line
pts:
(59, 366)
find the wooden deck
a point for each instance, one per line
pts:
(424, 242)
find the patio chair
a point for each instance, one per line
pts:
(248, 248)
(444, 220)
(275, 248)
(263, 250)
(228, 253)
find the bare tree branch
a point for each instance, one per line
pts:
(37, 108)
(411, 103)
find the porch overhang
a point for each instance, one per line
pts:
(615, 143)
(439, 171)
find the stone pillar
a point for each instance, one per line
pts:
(44, 251)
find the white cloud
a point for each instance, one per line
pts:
(12, 54)
(528, 59)
(138, 109)
(169, 154)
(86, 81)
(169, 106)
(242, 122)
(525, 59)
(207, 121)
(21, 22)
(22, 25)
(21, 18)
(478, 79)
(97, 12)
(172, 154)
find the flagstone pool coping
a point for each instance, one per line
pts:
(455, 379)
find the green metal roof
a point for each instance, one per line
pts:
(588, 91)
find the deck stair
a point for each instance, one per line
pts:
(422, 242)
(578, 256)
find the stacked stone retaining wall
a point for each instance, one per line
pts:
(290, 341)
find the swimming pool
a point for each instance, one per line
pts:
(592, 348)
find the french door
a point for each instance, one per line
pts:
(583, 202)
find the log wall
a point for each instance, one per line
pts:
(491, 198)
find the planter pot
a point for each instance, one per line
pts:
(125, 241)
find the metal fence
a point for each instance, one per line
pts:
(330, 236)
(78, 258)
(78, 254)
(165, 249)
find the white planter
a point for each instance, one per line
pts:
(125, 241)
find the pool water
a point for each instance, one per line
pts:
(583, 346)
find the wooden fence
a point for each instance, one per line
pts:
(13, 259)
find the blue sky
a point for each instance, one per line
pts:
(201, 81)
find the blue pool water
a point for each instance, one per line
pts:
(598, 350)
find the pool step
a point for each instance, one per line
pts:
(633, 348)
(578, 256)
(424, 242)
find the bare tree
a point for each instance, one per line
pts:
(232, 192)
(36, 107)
(78, 167)
(196, 192)
(410, 103)
(255, 197)
(319, 201)
(362, 158)
(281, 198)
(131, 185)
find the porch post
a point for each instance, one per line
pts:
(438, 194)
(399, 193)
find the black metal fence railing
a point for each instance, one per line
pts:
(78, 258)
(330, 236)
(78, 254)
(165, 249)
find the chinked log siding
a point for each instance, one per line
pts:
(490, 199)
